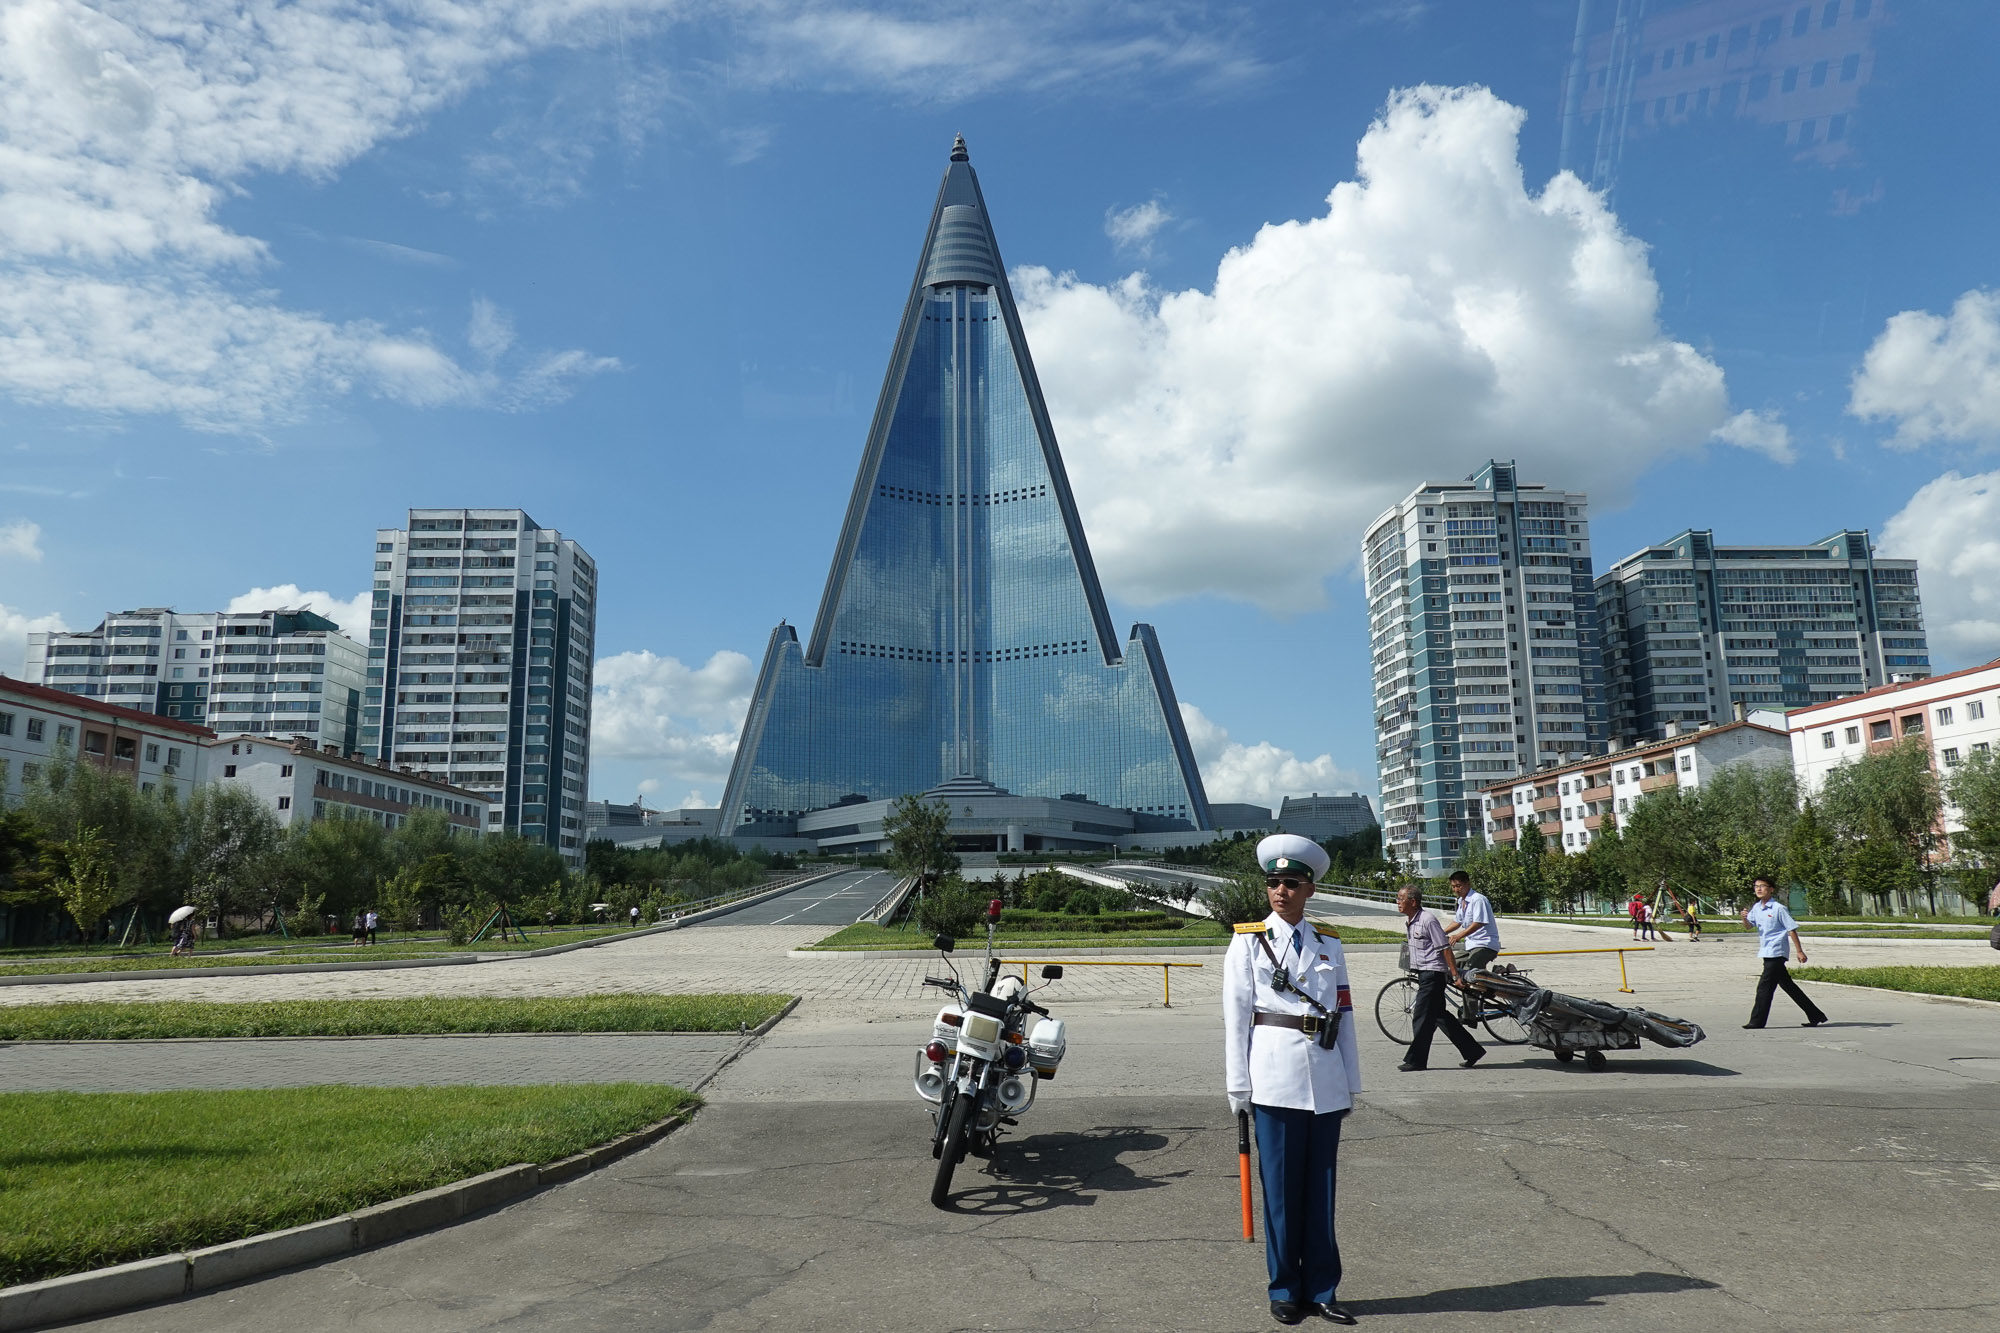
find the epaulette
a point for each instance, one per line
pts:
(1249, 927)
(1326, 931)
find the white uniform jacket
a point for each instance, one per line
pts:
(1280, 1066)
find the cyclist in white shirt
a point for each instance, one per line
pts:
(1474, 925)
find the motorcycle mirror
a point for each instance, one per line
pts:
(945, 943)
(993, 910)
(1053, 972)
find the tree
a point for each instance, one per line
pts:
(950, 908)
(920, 838)
(331, 865)
(1663, 841)
(1888, 794)
(1974, 787)
(1242, 899)
(24, 875)
(139, 830)
(229, 842)
(87, 880)
(1811, 861)
(508, 868)
(1746, 813)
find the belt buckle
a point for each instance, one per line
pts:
(1309, 1024)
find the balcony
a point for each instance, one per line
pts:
(1658, 781)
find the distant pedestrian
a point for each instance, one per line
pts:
(1774, 926)
(371, 922)
(1636, 909)
(360, 928)
(1431, 960)
(1693, 921)
(635, 917)
(183, 939)
(1993, 900)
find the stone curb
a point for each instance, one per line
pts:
(151, 1281)
(1905, 994)
(450, 960)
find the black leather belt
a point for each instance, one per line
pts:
(1307, 1023)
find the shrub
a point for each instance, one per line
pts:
(950, 908)
(1242, 899)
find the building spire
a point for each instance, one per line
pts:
(958, 153)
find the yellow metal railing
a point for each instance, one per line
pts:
(1166, 969)
(1624, 986)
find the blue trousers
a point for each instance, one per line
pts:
(1297, 1156)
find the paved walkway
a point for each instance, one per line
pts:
(684, 1060)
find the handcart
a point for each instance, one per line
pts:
(1566, 1024)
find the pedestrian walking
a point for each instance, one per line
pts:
(1290, 1062)
(1473, 923)
(370, 922)
(1431, 960)
(1693, 921)
(360, 927)
(1636, 909)
(635, 917)
(1774, 925)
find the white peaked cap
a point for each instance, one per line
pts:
(1289, 851)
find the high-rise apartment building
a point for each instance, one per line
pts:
(1483, 634)
(963, 644)
(263, 673)
(1691, 628)
(480, 646)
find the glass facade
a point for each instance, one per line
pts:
(963, 632)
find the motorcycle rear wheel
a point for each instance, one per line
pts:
(956, 1133)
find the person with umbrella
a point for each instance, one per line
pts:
(182, 920)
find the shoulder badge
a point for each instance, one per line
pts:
(1326, 932)
(1249, 927)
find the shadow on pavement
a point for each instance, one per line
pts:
(1531, 1294)
(1641, 1065)
(1046, 1171)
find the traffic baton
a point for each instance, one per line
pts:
(1243, 1167)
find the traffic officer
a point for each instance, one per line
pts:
(1290, 1060)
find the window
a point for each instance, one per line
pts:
(173, 756)
(1913, 724)
(1974, 710)
(1826, 740)
(1950, 757)
(285, 772)
(1687, 763)
(65, 734)
(284, 802)
(1980, 747)
(1849, 68)
(229, 770)
(1944, 717)
(1854, 735)
(1791, 79)
(1621, 777)
(1878, 731)
(94, 742)
(152, 753)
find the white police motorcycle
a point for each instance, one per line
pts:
(981, 1065)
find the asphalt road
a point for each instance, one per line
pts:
(835, 901)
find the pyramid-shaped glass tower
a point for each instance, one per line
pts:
(962, 634)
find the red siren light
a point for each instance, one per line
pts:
(993, 909)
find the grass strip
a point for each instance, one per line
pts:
(100, 1178)
(540, 938)
(867, 935)
(323, 953)
(1972, 983)
(418, 1015)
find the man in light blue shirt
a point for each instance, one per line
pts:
(1474, 925)
(1775, 931)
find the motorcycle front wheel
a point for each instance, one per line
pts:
(955, 1135)
(1394, 1010)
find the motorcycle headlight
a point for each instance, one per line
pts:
(1014, 1057)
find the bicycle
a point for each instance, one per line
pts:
(1396, 1002)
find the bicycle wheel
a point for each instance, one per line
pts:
(1504, 1028)
(1395, 1010)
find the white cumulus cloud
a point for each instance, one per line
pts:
(1133, 229)
(1759, 432)
(351, 615)
(1951, 527)
(15, 627)
(1236, 440)
(1936, 377)
(1261, 774)
(679, 724)
(21, 540)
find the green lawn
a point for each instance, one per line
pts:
(158, 1020)
(1975, 983)
(1195, 933)
(237, 954)
(99, 1178)
(540, 937)
(1926, 928)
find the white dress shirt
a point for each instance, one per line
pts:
(1279, 1066)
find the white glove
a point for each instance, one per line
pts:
(1239, 1103)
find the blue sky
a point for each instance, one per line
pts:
(271, 274)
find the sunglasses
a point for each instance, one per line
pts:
(1289, 881)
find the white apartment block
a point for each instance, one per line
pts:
(1957, 714)
(1572, 804)
(302, 782)
(480, 646)
(37, 722)
(1482, 628)
(271, 673)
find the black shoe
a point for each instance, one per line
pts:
(1409, 1068)
(1334, 1314)
(1472, 1059)
(1815, 1022)
(1288, 1312)
(1750, 1026)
